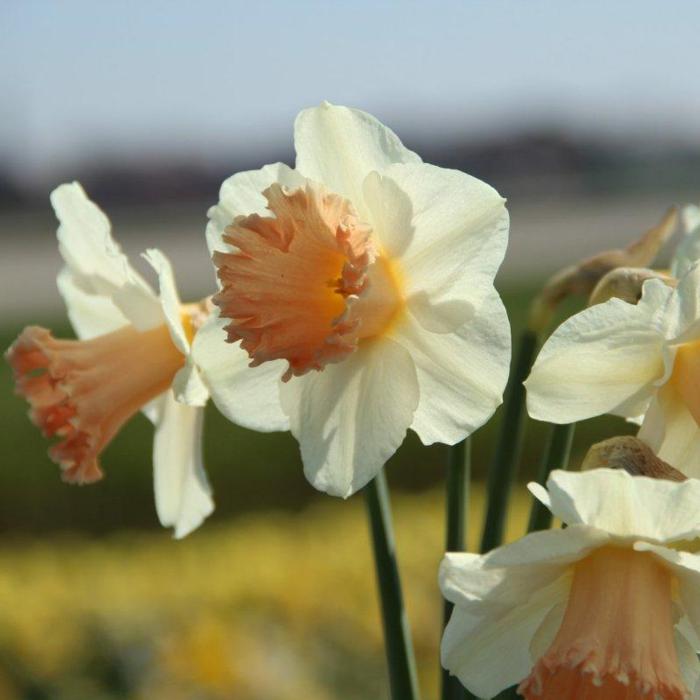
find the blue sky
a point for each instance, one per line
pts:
(204, 78)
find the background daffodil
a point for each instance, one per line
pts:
(133, 353)
(606, 608)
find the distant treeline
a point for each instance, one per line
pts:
(545, 162)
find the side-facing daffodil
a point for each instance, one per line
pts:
(359, 288)
(630, 360)
(133, 354)
(606, 609)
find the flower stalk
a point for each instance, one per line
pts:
(403, 679)
(457, 497)
(556, 456)
(502, 469)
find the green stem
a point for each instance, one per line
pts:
(556, 456)
(502, 469)
(397, 635)
(457, 496)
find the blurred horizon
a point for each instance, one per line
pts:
(158, 102)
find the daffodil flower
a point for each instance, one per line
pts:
(607, 608)
(359, 288)
(630, 360)
(133, 353)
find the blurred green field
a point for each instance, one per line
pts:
(276, 606)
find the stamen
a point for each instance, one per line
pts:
(306, 284)
(616, 639)
(84, 391)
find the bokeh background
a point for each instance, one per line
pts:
(585, 115)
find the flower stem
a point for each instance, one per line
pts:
(502, 469)
(397, 635)
(457, 496)
(556, 456)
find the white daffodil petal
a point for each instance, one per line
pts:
(95, 258)
(619, 503)
(84, 237)
(683, 314)
(685, 627)
(602, 360)
(189, 386)
(351, 417)
(90, 314)
(475, 648)
(671, 431)
(686, 568)
(461, 375)
(458, 231)
(687, 253)
(169, 298)
(508, 575)
(687, 659)
(690, 216)
(339, 147)
(555, 547)
(547, 631)
(248, 396)
(154, 409)
(242, 195)
(183, 494)
(390, 214)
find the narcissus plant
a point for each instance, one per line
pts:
(606, 609)
(133, 354)
(359, 288)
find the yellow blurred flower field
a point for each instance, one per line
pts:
(270, 605)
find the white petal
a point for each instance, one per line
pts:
(390, 213)
(241, 195)
(686, 568)
(248, 396)
(683, 314)
(189, 386)
(491, 652)
(627, 506)
(687, 660)
(461, 375)
(672, 432)
(552, 547)
(547, 631)
(169, 298)
(84, 237)
(96, 260)
(605, 359)
(90, 314)
(155, 408)
(507, 576)
(183, 494)
(691, 218)
(352, 416)
(339, 147)
(451, 228)
(688, 251)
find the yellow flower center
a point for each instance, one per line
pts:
(616, 639)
